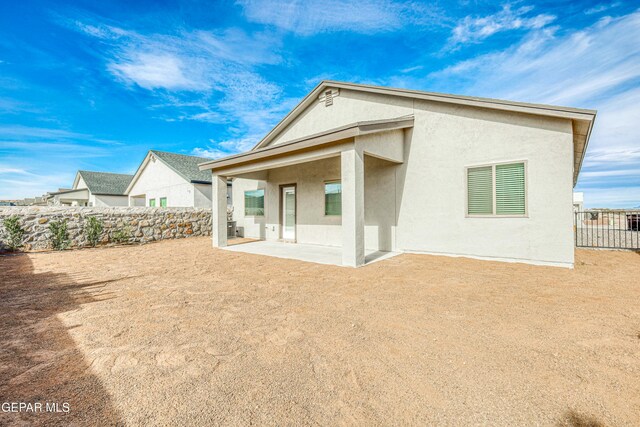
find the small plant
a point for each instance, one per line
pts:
(14, 232)
(121, 236)
(59, 236)
(93, 229)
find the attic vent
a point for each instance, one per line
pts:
(328, 98)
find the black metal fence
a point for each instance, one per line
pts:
(610, 229)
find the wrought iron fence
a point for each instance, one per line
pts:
(610, 229)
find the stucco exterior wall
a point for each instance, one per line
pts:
(158, 180)
(101, 200)
(312, 225)
(249, 226)
(81, 183)
(430, 186)
(202, 195)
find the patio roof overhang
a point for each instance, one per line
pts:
(75, 194)
(313, 147)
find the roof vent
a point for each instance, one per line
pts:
(328, 98)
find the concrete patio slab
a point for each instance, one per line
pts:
(319, 254)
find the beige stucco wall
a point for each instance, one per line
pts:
(313, 226)
(81, 183)
(429, 195)
(158, 180)
(202, 195)
(250, 226)
(100, 200)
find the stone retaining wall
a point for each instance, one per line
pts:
(139, 224)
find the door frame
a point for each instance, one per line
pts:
(295, 216)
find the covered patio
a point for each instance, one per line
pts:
(76, 197)
(293, 176)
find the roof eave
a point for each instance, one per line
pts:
(584, 150)
(336, 134)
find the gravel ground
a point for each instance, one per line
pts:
(178, 333)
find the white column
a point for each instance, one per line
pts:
(352, 170)
(219, 211)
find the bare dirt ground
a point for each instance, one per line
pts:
(177, 333)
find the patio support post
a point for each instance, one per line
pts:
(352, 170)
(219, 211)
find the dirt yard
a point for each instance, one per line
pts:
(177, 333)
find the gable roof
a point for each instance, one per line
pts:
(185, 166)
(113, 184)
(582, 119)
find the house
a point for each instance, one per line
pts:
(170, 180)
(373, 168)
(93, 189)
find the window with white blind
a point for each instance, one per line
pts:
(497, 190)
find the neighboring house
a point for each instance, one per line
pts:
(170, 180)
(578, 201)
(93, 189)
(361, 166)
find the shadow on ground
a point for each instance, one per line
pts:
(574, 419)
(39, 361)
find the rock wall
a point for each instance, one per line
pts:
(131, 224)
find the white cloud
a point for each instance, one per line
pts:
(17, 171)
(225, 148)
(210, 153)
(609, 173)
(19, 186)
(601, 8)
(597, 67)
(612, 197)
(475, 29)
(157, 71)
(206, 76)
(309, 17)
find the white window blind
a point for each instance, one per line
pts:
(510, 191)
(480, 190)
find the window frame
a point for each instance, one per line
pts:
(493, 188)
(324, 193)
(264, 203)
(165, 202)
(152, 201)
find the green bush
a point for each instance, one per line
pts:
(93, 229)
(59, 236)
(121, 236)
(14, 232)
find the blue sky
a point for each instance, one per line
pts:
(94, 85)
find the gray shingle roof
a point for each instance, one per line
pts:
(185, 166)
(106, 183)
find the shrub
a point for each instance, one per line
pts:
(93, 229)
(14, 232)
(122, 235)
(59, 236)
